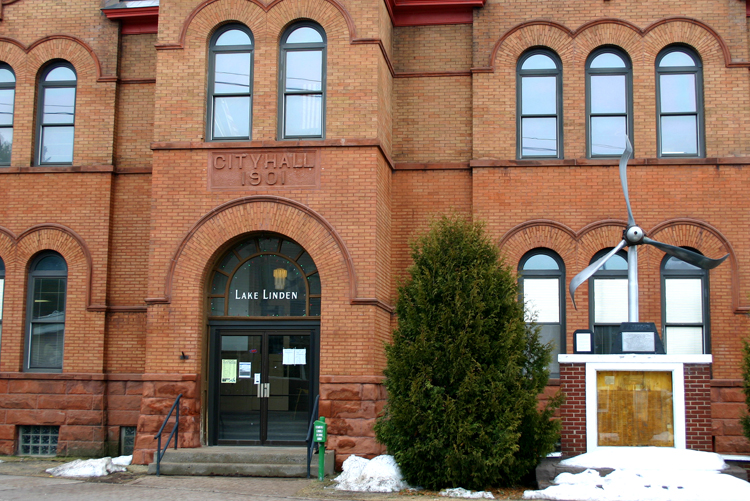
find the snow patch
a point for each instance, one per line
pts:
(646, 474)
(460, 492)
(86, 468)
(380, 474)
(122, 460)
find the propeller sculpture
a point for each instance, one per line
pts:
(632, 237)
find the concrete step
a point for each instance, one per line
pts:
(241, 461)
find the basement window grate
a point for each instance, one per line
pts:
(38, 440)
(127, 440)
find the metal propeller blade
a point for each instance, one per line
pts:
(689, 257)
(591, 269)
(624, 177)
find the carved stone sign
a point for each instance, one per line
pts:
(263, 169)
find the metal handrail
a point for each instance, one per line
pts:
(175, 433)
(310, 443)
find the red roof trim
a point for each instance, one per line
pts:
(138, 21)
(431, 12)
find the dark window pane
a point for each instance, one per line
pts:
(51, 263)
(539, 62)
(267, 285)
(6, 76)
(303, 115)
(307, 264)
(6, 106)
(6, 144)
(232, 117)
(234, 37)
(219, 283)
(608, 60)
(539, 95)
(59, 105)
(232, 74)
(677, 93)
(229, 262)
(268, 244)
(679, 135)
(46, 346)
(314, 306)
(60, 74)
(539, 137)
(608, 94)
(314, 281)
(608, 135)
(540, 262)
(290, 249)
(217, 306)
(304, 35)
(246, 249)
(304, 70)
(49, 299)
(57, 144)
(676, 59)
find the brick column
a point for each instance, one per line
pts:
(573, 411)
(698, 424)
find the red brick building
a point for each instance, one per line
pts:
(215, 198)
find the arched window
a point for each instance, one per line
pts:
(7, 104)
(230, 83)
(679, 91)
(265, 276)
(56, 115)
(45, 313)
(2, 293)
(542, 282)
(684, 307)
(609, 92)
(539, 104)
(302, 82)
(608, 300)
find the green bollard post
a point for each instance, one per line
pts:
(320, 432)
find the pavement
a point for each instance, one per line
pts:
(25, 479)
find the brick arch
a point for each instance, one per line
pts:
(72, 49)
(322, 11)
(709, 49)
(664, 31)
(539, 233)
(7, 242)
(689, 232)
(609, 34)
(549, 35)
(69, 244)
(208, 237)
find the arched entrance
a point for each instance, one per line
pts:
(264, 322)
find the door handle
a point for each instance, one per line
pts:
(264, 390)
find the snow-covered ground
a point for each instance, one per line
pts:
(91, 467)
(646, 474)
(641, 474)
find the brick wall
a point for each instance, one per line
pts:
(573, 411)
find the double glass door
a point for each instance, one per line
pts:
(261, 386)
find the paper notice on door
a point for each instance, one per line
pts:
(257, 378)
(246, 370)
(288, 356)
(300, 356)
(228, 371)
(294, 356)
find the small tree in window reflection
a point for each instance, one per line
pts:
(5, 148)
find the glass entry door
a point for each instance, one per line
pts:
(261, 386)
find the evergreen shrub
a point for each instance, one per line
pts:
(745, 420)
(464, 370)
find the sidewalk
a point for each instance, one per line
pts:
(25, 479)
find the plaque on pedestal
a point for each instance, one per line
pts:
(639, 338)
